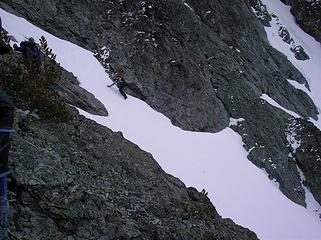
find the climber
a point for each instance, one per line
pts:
(120, 83)
(29, 49)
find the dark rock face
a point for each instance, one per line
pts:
(68, 88)
(197, 62)
(308, 15)
(305, 143)
(261, 13)
(299, 53)
(285, 35)
(83, 181)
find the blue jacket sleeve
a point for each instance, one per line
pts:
(114, 82)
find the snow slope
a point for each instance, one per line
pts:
(311, 68)
(275, 104)
(216, 162)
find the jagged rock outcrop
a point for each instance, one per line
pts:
(83, 181)
(265, 17)
(261, 12)
(68, 88)
(79, 180)
(199, 63)
(308, 15)
(305, 142)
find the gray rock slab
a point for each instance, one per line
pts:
(83, 181)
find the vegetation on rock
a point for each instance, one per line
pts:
(31, 85)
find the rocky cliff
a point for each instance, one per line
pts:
(304, 141)
(82, 181)
(308, 15)
(79, 180)
(198, 62)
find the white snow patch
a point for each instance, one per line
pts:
(187, 5)
(105, 54)
(312, 205)
(276, 183)
(299, 86)
(215, 162)
(292, 138)
(295, 144)
(251, 149)
(234, 122)
(275, 104)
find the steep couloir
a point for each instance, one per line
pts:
(198, 62)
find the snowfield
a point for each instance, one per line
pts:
(216, 162)
(311, 69)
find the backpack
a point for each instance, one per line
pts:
(31, 49)
(36, 52)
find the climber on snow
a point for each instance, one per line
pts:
(119, 81)
(29, 49)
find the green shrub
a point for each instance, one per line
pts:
(31, 85)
